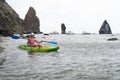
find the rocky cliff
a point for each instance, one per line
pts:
(105, 28)
(9, 19)
(11, 23)
(31, 21)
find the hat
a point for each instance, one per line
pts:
(32, 34)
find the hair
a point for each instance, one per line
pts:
(32, 36)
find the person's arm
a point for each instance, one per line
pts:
(38, 41)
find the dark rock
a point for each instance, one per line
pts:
(105, 28)
(11, 23)
(112, 39)
(63, 28)
(31, 21)
(46, 34)
(9, 19)
(6, 32)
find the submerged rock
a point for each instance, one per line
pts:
(105, 28)
(112, 39)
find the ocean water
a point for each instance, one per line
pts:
(80, 57)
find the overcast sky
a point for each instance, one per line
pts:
(78, 15)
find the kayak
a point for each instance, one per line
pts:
(37, 49)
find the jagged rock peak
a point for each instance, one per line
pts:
(105, 28)
(31, 21)
(31, 12)
(63, 28)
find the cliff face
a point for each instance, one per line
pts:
(11, 23)
(31, 21)
(105, 28)
(9, 19)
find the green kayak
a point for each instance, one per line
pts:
(37, 49)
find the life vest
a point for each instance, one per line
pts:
(31, 42)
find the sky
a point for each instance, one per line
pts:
(77, 15)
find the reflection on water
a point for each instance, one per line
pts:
(80, 57)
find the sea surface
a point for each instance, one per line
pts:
(80, 57)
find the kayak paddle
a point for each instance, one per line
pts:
(52, 42)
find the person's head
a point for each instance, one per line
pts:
(32, 35)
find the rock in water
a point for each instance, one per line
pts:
(105, 28)
(63, 28)
(112, 39)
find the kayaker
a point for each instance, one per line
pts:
(33, 42)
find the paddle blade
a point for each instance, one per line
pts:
(14, 37)
(53, 42)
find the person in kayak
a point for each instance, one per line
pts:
(33, 42)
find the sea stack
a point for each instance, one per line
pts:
(31, 21)
(105, 28)
(63, 28)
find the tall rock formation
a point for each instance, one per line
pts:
(9, 20)
(63, 28)
(105, 28)
(31, 21)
